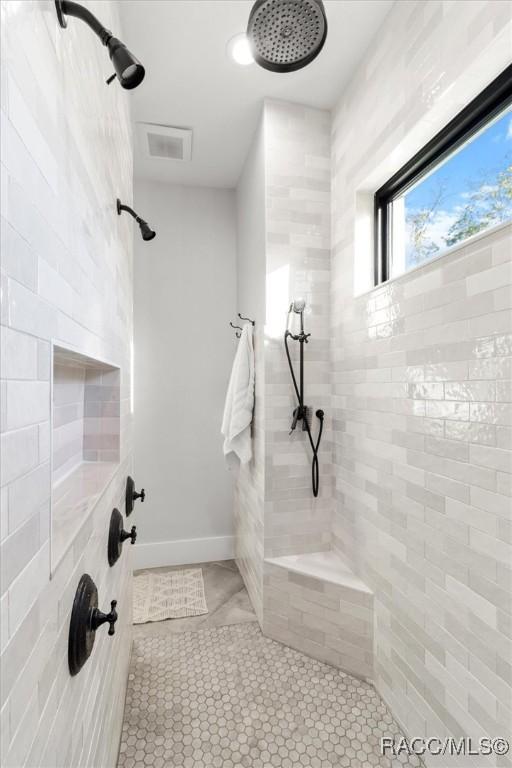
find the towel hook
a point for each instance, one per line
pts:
(236, 326)
(252, 322)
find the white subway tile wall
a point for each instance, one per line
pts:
(330, 621)
(66, 276)
(249, 489)
(421, 372)
(249, 493)
(297, 172)
(274, 510)
(68, 419)
(102, 409)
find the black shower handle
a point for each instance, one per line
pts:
(141, 495)
(98, 618)
(295, 419)
(129, 534)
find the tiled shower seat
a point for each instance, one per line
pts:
(316, 604)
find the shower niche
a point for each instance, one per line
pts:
(85, 441)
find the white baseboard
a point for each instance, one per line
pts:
(183, 552)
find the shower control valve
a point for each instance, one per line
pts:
(132, 534)
(85, 620)
(117, 535)
(131, 495)
(299, 336)
(301, 413)
(98, 618)
(295, 419)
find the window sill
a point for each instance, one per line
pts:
(432, 263)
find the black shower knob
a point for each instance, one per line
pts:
(117, 535)
(86, 618)
(132, 495)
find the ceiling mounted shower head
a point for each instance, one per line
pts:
(286, 35)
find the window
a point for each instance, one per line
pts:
(459, 184)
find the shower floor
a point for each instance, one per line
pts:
(227, 697)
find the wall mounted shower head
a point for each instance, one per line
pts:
(129, 70)
(286, 35)
(145, 230)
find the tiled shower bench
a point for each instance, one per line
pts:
(316, 604)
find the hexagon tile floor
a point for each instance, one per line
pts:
(231, 698)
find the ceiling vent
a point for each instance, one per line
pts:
(165, 142)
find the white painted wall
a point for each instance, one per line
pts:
(185, 295)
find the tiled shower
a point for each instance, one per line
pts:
(390, 593)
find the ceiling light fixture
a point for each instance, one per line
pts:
(240, 51)
(128, 69)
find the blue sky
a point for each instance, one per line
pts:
(476, 163)
(487, 153)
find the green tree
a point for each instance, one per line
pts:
(487, 205)
(419, 222)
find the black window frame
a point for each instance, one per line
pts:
(489, 103)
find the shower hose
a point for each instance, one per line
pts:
(302, 414)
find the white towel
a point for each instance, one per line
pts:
(238, 410)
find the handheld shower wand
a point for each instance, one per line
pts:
(302, 412)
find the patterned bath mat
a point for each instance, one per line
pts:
(169, 595)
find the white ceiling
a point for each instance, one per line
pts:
(192, 83)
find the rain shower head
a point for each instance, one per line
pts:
(286, 35)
